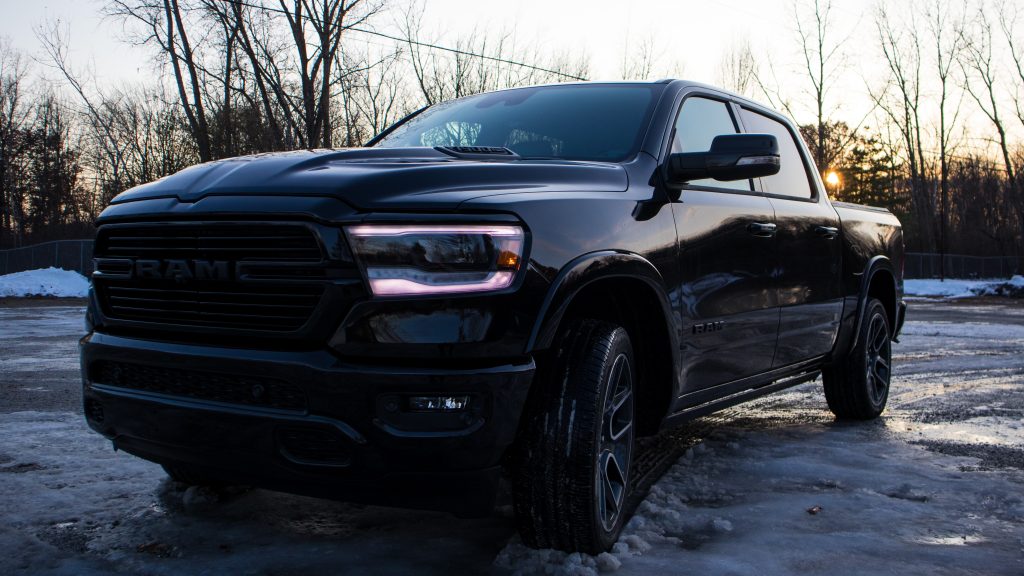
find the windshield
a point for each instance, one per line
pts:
(604, 122)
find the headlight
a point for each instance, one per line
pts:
(406, 260)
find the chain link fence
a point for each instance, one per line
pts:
(67, 254)
(926, 265)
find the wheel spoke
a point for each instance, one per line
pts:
(617, 421)
(618, 415)
(614, 480)
(615, 378)
(616, 442)
(881, 363)
(610, 507)
(880, 379)
(621, 397)
(616, 434)
(872, 333)
(878, 335)
(607, 497)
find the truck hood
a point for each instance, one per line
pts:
(379, 178)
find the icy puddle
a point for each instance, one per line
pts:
(935, 487)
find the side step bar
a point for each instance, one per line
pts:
(739, 397)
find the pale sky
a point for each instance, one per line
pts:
(689, 34)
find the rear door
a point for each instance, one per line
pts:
(727, 246)
(809, 255)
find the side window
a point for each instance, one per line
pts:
(699, 121)
(792, 179)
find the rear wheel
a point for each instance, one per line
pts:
(574, 454)
(857, 388)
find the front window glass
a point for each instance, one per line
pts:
(700, 120)
(604, 122)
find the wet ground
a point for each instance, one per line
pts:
(934, 487)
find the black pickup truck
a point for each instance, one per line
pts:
(516, 284)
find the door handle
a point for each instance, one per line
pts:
(826, 232)
(762, 229)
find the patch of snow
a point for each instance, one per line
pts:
(721, 525)
(957, 288)
(608, 563)
(44, 282)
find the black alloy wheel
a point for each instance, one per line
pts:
(857, 387)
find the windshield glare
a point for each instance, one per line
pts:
(604, 122)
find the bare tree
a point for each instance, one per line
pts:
(478, 61)
(823, 61)
(737, 70)
(637, 61)
(316, 28)
(373, 94)
(769, 86)
(13, 116)
(901, 103)
(1008, 14)
(981, 75)
(163, 24)
(947, 34)
(101, 120)
(218, 12)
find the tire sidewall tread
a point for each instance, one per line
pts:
(846, 384)
(554, 485)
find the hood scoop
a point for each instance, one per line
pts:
(478, 152)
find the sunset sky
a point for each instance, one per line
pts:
(689, 36)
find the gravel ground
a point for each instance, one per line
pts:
(772, 487)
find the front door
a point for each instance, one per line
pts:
(726, 296)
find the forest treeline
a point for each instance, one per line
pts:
(235, 77)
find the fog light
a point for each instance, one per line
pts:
(438, 403)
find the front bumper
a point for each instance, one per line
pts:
(341, 431)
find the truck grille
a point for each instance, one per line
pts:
(234, 276)
(210, 386)
(233, 242)
(260, 307)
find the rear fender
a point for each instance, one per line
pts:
(873, 267)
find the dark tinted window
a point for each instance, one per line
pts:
(792, 179)
(575, 122)
(698, 123)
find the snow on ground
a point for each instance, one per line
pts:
(956, 288)
(777, 486)
(44, 282)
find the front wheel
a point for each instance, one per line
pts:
(857, 388)
(574, 453)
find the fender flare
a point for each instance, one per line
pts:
(587, 269)
(875, 265)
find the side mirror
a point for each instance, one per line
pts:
(732, 157)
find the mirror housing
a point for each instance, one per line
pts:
(732, 157)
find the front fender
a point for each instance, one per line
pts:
(589, 268)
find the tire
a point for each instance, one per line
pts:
(571, 478)
(857, 388)
(191, 476)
